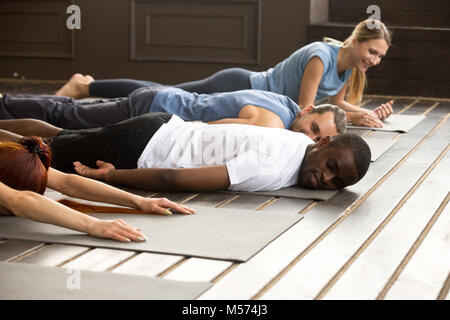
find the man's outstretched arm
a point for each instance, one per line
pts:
(203, 179)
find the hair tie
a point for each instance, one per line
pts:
(38, 151)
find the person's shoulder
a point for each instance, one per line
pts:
(318, 48)
(317, 45)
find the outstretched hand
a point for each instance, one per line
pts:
(384, 110)
(98, 174)
(117, 230)
(163, 206)
(366, 118)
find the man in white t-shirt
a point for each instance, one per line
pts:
(158, 151)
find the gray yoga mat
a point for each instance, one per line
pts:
(292, 192)
(218, 233)
(21, 281)
(379, 146)
(396, 122)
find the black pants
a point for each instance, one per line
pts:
(120, 144)
(227, 80)
(68, 113)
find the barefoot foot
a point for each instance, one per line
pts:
(77, 87)
(88, 78)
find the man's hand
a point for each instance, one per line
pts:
(99, 174)
(384, 110)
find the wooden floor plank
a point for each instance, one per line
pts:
(418, 108)
(148, 264)
(12, 249)
(198, 269)
(429, 267)
(99, 259)
(399, 104)
(207, 269)
(54, 255)
(287, 206)
(444, 294)
(247, 280)
(310, 275)
(379, 261)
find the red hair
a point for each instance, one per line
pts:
(24, 165)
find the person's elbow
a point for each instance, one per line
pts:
(337, 101)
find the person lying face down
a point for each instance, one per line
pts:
(25, 174)
(254, 107)
(161, 152)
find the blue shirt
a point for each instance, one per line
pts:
(286, 77)
(210, 107)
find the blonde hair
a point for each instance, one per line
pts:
(357, 81)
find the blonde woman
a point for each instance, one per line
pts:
(321, 69)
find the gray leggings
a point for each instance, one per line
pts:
(227, 80)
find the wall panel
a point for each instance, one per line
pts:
(31, 30)
(212, 31)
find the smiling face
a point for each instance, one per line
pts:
(315, 125)
(368, 53)
(328, 167)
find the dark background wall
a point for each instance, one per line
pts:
(172, 41)
(178, 41)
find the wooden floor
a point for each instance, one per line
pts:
(387, 237)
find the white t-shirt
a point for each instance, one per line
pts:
(257, 158)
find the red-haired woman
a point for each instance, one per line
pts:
(25, 174)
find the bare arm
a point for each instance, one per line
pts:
(30, 205)
(310, 82)
(344, 105)
(355, 114)
(84, 188)
(201, 179)
(308, 90)
(9, 136)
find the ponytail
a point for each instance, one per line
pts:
(356, 85)
(36, 146)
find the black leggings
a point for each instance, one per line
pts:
(227, 80)
(120, 144)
